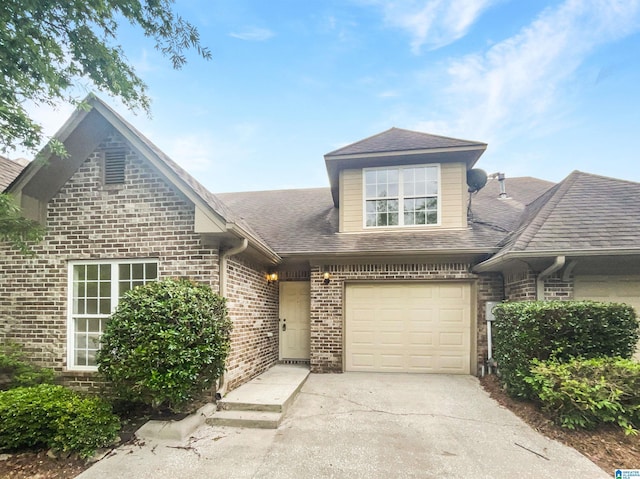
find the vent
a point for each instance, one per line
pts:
(114, 163)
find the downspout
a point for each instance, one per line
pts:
(222, 289)
(557, 264)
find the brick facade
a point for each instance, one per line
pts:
(145, 217)
(520, 285)
(253, 305)
(327, 302)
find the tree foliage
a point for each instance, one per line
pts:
(46, 47)
(14, 228)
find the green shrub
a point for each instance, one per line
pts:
(55, 417)
(166, 343)
(16, 371)
(558, 329)
(584, 393)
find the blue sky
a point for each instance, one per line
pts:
(551, 86)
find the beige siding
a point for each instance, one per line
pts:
(453, 198)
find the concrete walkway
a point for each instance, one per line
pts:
(361, 425)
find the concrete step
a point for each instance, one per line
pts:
(252, 419)
(226, 405)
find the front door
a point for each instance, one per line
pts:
(295, 303)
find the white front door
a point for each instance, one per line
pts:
(295, 303)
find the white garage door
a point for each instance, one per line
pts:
(618, 289)
(416, 327)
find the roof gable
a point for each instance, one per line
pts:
(82, 133)
(397, 146)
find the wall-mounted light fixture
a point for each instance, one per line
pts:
(272, 277)
(327, 277)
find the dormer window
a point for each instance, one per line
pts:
(401, 196)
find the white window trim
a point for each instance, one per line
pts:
(401, 198)
(71, 334)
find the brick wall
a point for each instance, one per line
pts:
(253, 306)
(490, 287)
(555, 289)
(520, 285)
(144, 218)
(327, 301)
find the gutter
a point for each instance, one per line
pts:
(557, 264)
(497, 260)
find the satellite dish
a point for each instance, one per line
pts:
(476, 179)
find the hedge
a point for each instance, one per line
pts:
(584, 393)
(55, 417)
(561, 330)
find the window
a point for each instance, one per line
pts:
(94, 291)
(406, 196)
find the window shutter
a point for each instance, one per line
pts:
(114, 163)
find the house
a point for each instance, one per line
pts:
(390, 268)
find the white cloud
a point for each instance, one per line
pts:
(253, 34)
(432, 23)
(522, 81)
(389, 94)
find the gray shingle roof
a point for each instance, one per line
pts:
(398, 139)
(584, 212)
(305, 221)
(9, 170)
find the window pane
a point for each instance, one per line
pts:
(432, 204)
(137, 271)
(92, 289)
(78, 272)
(432, 218)
(91, 358)
(81, 358)
(105, 289)
(151, 271)
(393, 219)
(408, 218)
(371, 219)
(78, 306)
(420, 218)
(105, 272)
(392, 205)
(432, 188)
(371, 206)
(92, 272)
(124, 271)
(382, 191)
(105, 306)
(123, 288)
(81, 324)
(371, 191)
(81, 341)
(92, 306)
(370, 177)
(382, 176)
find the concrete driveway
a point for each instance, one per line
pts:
(361, 425)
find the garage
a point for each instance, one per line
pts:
(615, 288)
(408, 327)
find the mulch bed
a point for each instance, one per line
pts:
(608, 447)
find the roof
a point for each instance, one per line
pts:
(585, 214)
(398, 139)
(305, 222)
(9, 170)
